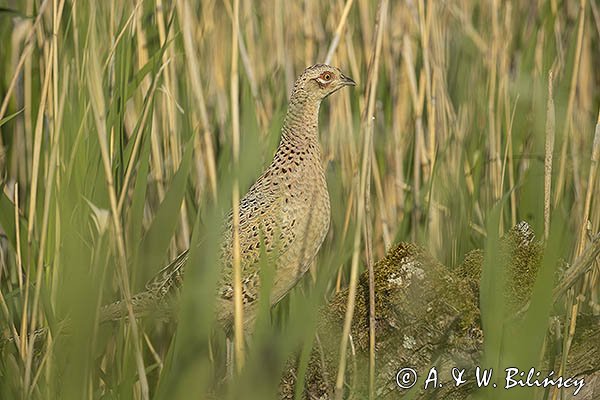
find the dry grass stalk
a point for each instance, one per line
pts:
(550, 130)
(560, 182)
(368, 116)
(185, 17)
(338, 31)
(236, 259)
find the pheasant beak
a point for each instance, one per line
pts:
(347, 81)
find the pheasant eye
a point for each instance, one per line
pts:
(326, 76)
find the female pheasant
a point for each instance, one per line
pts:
(286, 211)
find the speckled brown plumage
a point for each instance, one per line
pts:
(287, 209)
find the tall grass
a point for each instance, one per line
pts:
(126, 129)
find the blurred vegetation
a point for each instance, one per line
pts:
(116, 154)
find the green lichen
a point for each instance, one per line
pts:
(520, 256)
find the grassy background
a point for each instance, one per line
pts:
(116, 145)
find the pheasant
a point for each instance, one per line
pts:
(286, 211)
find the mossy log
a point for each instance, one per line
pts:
(428, 315)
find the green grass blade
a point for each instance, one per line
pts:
(136, 211)
(156, 241)
(9, 117)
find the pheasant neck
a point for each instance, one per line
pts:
(301, 125)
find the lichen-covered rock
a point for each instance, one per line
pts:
(426, 314)
(420, 309)
(520, 257)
